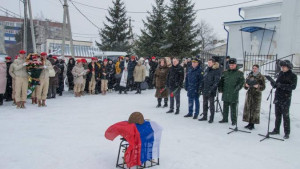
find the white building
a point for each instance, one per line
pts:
(267, 29)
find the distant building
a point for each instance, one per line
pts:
(256, 34)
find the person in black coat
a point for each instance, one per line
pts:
(130, 81)
(174, 84)
(209, 87)
(70, 67)
(111, 75)
(193, 86)
(285, 84)
(8, 91)
(61, 65)
(153, 65)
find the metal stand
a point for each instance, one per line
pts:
(267, 136)
(236, 127)
(218, 104)
(122, 148)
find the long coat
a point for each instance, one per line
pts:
(139, 73)
(3, 79)
(231, 83)
(211, 80)
(53, 81)
(193, 81)
(253, 98)
(160, 76)
(78, 73)
(130, 68)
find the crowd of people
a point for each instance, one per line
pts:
(42, 77)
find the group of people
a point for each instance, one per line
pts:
(167, 76)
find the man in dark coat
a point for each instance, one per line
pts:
(153, 65)
(210, 83)
(231, 83)
(193, 86)
(70, 67)
(285, 84)
(174, 84)
(111, 75)
(131, 65)
(8, 91)
(61, 65)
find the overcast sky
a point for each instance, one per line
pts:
(83, 30)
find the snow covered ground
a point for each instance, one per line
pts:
(69, 134)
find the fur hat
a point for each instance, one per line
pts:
(286, 63)
(136, 117)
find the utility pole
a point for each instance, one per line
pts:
(25, 26)
(32, 28)
(66, 22)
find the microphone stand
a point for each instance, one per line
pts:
(267, 136)
(236, 127)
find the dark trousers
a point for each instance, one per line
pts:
(60, 88)
(138, 87)
(8, 92)
(52, 91)
(282, 111)
(1, 99)
(177, 98)
(211, 100)
(193, 100)
(233, 110)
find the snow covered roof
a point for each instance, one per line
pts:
(274, 2)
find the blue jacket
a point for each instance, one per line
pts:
(193, 81)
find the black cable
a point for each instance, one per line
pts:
(6, 10)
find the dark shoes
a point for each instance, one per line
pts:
(195, 117)
(165, 105)
(286, 136)
(170, 111)
(250, 126)
(188, 115)
(159, 105)
(223, 121)
(233, 123)
(177, 111)
(274, 132)
(203, 118)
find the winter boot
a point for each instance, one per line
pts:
(44, 103)
(170, 111)
(195, 116)
(159, 102)
(286, 136)
(23, 105)
(204, 118)
(223, 121)
(247, 127)
(177, 111)
(188, 115)
(251, 127)
(18, 105)
(211, 119)
(166, 102)
(39, 103)
(32, 100)
(1, 99)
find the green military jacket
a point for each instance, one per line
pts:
(232, 81)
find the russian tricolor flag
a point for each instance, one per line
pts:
(144, 140)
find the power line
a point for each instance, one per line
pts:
(6, 10)
(84, 15)
(197, 10)
(224, 6)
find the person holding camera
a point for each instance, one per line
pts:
(255, 84)
(285, 84)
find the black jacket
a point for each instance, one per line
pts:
(285, 83)
(175, 77)
(211, 80)
(90, 73)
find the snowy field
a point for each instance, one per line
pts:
(69, 134)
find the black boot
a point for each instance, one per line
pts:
(177, 111)
(166, 102)
(274, 132)
(195, 116)
(204, 118)
(211, 118)
(286, 136)
(159, 102)
(247, 127)
(251, 127)
(223, 121)
(170, 111)
(1, 99)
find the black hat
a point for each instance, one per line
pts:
(286, 63)
(232, 61)
(227, 57)
(195, 60)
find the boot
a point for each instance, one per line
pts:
(223, 121)
(39, 103)
(286, 136)
(14, 103)
(35, 100)
(82, 93)
(204, 118)
(32, 100)
(90, 92)
(18, 105)
(159, 102)
(251, 127)
(23, 105)
(166, 102)
(44, 103)
(188, 115)
(170, 111)
(211, 119)
(247, 127)
(177, 111)
(274, 132)
(1, 99)
(120, 91)
(195, 116)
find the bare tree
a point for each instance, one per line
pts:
(206, 35)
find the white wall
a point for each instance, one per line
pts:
(262, 11)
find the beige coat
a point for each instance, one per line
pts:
(11, 70)
(139, 73)
(19, 70)
(78, 73)
(45, 72)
